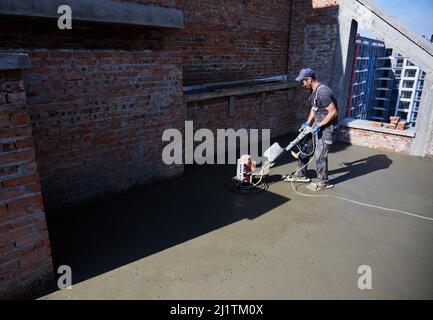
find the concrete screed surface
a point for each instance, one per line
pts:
(192, 239)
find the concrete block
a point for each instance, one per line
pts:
(14, 61)
(97, 11)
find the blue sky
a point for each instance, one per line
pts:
(416, 14)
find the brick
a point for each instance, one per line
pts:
(10, 194)
(5, 249)
(20, 181)
(33, 188)
(34, 257)
(9, 256)
(16, 132)
(401, 125)
(17, 156)
(14, 234)
(13, 214)
(33, 239)
(19, 120)
(22, 144)
(24, 202)
(8, 267)
(394, 120)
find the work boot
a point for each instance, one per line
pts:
(293, 178)
(317, 186)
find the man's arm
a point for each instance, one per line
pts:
(332, 114)
(310, 117)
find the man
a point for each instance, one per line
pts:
(325, 115)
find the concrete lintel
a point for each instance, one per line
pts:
(97, 11)
(14, 61)
(210, 86)
(238, 91)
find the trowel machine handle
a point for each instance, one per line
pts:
(301, 136)
(275, 151)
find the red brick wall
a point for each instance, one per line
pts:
(314, 39)
(25, 253)
(99, 101)
(221, 41)
(375, 140)
(232, 40)
(257, 111)
(98, 118)
(84, 103)
(228, 40)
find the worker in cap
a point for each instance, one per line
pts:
(323, 119)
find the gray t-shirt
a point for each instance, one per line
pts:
(321, 98)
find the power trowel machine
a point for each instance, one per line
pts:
(249, 174)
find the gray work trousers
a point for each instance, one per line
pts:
(322, 141)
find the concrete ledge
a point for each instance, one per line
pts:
(97, 11)
(194, 96)
(14, 61)
(367, 125)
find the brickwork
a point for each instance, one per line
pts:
(221, 41)
(257, 111)
(99, 97)
(98, 118)
(232, 40)
(25, 253)
(375, 140)
(313, 43)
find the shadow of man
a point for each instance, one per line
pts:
(361, 167)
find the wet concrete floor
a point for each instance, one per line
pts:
(191, 238)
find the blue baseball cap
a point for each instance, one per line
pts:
(305, 73)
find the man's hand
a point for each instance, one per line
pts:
(304, 125)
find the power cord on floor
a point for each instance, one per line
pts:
(246, 188)
(347, 199)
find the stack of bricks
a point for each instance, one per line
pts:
(25, 253)
(401, 125)
(396, 124)
(377, 124)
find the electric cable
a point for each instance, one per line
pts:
(246, 188)
(260, 186)
(347, 199)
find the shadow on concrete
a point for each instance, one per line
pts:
(360, 168)
(96, 238)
